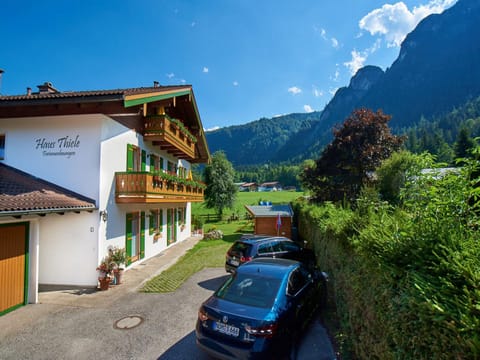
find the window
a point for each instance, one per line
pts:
(156, 163)
(265, 248)
(251, 290)
(2, 147)
(135, 236)
(136, 158)
(289, 246)
(182, 212)
(156, 223)
(172, 168)
(297, 281)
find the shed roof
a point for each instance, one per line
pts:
(270, 211)
(24, 194)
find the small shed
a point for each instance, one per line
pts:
(275, 220)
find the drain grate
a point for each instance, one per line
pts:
(128, 322)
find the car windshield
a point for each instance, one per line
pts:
(250, 290)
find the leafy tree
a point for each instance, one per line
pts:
(219, 177)
(464, 144)
(348, 162)
(393, 173)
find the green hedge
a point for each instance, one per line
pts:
(406, 280)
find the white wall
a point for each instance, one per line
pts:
(71, 246)
(35, 145)
(68, 249)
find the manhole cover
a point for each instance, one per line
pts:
(128, 322)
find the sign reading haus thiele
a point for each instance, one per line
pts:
(64, 146)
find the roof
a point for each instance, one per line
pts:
(115, 93)
(24, 194)
(271, 183)
(115, 103)
(269, 211)
(272, 267)
(258, 238)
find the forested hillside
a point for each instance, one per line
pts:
(262, 141)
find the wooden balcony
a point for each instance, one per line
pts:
(144, 187)
(171, 135)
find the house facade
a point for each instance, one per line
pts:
(270, 186)
(121, 162)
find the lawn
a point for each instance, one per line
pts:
(211, 253)
(250, 198)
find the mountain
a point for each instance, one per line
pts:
(261, 141)
(437, 70)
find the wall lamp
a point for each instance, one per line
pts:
(104, 215)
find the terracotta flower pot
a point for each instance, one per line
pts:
(104, 283)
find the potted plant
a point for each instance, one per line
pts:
(119, 259)
(105, 270)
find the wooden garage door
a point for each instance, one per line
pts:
(13, 263)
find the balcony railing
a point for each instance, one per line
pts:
(145, 187)
(171, 134)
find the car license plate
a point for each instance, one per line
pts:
(226, 329)
(234, 262)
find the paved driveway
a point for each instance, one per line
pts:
(151, 326)
(73, 332)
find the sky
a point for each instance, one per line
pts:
(245, 59)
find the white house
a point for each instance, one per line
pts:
(85, 171)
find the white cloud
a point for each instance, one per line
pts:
(170, 75)
(205, 70)
(323, 35)
(358, 59)
(294, 90)
(336, 75)
(394, 22)
(235, 83)
(212, 129)
(307, 108)
(335, 43)
(317, 92)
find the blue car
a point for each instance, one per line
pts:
(261, 311)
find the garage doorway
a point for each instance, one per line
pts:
(13, 266)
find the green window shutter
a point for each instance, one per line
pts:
(142, 235)
(130, 154)
(144, 160)
(128, 237)
(160, 222)
(162, 163)
(152, 163)
(151, 222)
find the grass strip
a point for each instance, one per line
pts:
(206, 253)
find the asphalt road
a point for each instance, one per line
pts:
(151, 326)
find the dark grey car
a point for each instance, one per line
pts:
(249, 247)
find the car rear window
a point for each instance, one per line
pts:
(250, 290)
(240, 249)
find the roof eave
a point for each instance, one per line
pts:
(20, 213)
